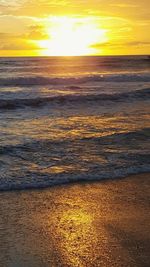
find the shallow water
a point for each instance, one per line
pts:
(70, 119)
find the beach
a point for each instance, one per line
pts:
(82, 224)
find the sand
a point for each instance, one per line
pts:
(85, 224)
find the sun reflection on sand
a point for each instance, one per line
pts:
(77, 226)
(76, 235)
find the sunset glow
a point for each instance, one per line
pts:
(68, 27)
(71, 37)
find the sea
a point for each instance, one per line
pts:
(72, 119)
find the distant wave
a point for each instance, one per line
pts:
(40, 101)
(40, 80)
(133, 161)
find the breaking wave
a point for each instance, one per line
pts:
(36, 160)
(40, 80)
(40, 101)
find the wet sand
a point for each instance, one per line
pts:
(85, 224)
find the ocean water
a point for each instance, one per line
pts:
(67, 119)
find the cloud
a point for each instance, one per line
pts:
(15, 42)
(124, 5)
(36, 32)
(105, 45)
(138, 43)
(116, 45)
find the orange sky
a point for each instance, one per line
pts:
(69, 27)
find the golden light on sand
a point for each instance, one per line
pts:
(71, 37)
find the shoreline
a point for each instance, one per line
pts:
(70, 183)
(88, 223)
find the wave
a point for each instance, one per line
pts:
(64, 99)
(137, 135)
(44, 181)
(124, 160)
(40, 80)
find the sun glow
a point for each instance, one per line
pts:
(71, 37)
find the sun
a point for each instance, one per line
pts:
(71, 37)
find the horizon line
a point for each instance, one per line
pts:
(119, 55)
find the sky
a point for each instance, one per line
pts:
(69, 27)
